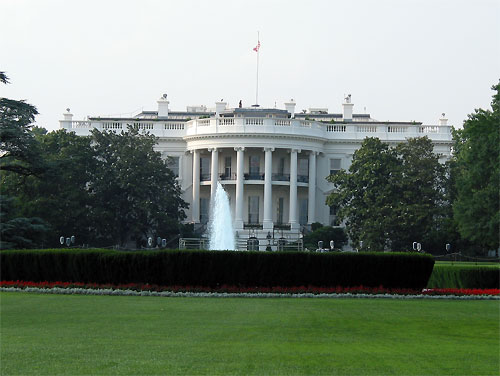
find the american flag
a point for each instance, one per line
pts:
(256, 48)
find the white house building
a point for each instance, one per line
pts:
(273, 163)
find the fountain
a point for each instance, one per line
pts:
(220, 226)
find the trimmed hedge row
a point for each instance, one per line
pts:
(464, 277)
(216, 268)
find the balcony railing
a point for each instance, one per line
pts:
(225, 176)
(303, 178)
(281, 177)
(356, 130)
(252, 225)
(254, 176)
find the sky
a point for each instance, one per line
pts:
(401, 60)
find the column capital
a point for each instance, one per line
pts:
(293, 150)
(268, 149)
(239, 148)
(212, 149)
(312, 152)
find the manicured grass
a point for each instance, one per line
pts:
(469, 263)
(64, 334)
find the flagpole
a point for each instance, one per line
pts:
(257, 85)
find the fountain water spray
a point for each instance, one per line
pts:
(220, 226)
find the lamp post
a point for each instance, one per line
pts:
(320, 246)
(67, 241)
(268, 237)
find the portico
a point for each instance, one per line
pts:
(255, 202)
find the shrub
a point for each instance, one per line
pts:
(464, 277)
(326, 233)
(216, 268)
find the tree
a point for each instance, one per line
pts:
(390, 197)
(364, 197)
(420, 201)
(19, 155)
(19, 151)
(134, 193)
(60, 194)
(325, 233)
(477, 156)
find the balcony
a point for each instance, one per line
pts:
(302, 179)
(253, 176)
(231, 176)
(281, 177)
(205, 177)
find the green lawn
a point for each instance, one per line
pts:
(60, 334)
(469, 263)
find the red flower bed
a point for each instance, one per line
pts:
(236, 289)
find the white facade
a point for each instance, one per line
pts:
(273, 163)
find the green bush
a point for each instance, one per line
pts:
(464, 277)
(325, 233)
(215, 268)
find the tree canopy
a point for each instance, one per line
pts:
(477, 156)
(390, 197)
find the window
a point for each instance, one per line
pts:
(303, 211)
(334, 166)
(254, 162)
(227, 167)
(303, 167)
(173, 165)
(281, 166)
(281, 205)
(204, 209)
(204, 168)
(253, 209)
(303, 170)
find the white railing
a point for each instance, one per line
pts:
(227, 121)
(335, 131)
(429, 129)
(336, 128)
(174, 126)
(254, 121)
(203, 122)
(144, 126)
(305, 123)
(367, 128)
(396, 129)
(112, 125)
(84, 124)
(282, 122)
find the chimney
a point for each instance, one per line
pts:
(219, 107)
(163, 107)
(290, 107)
(347, 108)
(443, 120)
(68, 118)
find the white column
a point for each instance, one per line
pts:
(195, 205)
(267, 223)
(292, 216)
(214, 173)
(238, 215)
(311, 209)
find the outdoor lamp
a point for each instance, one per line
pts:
(332, 244)
(448, 247)
(414, 246)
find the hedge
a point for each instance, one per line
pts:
(217, 268)
(464, 277)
